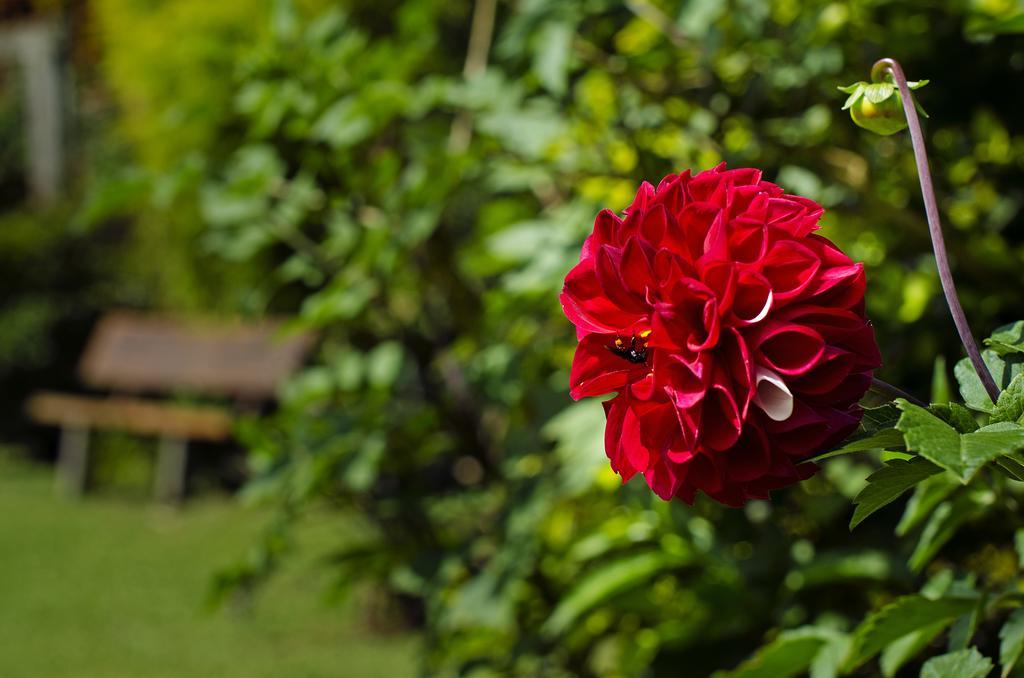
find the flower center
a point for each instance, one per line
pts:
(634, 350)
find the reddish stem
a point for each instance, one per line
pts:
(934, 225)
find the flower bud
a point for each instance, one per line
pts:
(878, 106)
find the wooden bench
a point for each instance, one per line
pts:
(135, 357)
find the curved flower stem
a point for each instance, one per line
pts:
(934, 225)
(892, 392)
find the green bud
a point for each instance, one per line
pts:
(878, 106)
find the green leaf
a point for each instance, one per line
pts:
(790, 654)
(927, 495)
(877, 418)
(940, 381)
(856, 91)
(1003, 369)
(899, 652)
(602, 584)
(963, 664)
(1010, 405)
(833, 566)
(1011, 641)
(878, 92)
(942, 525)
(343, 124)
(964, 455)
(1012, 465)
(551, 59)
(888, 483)
(964, 627)
(875, 432)
(956, 415)
(903, 616)
(829, 661)
(1008, 338)
(886, 439)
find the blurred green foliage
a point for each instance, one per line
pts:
(338, 165)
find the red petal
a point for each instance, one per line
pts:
(596, 370)
(790, 268)
(789, 349)
(615, 411)
(753, 300)
(720, 420)
(751, 456)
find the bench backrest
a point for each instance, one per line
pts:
(133, 352)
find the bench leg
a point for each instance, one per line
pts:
(73, 461)
(171, 463)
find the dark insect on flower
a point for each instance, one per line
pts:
(635, 351)
(734, 337)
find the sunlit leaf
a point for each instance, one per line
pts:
(888, 483)
(967, 663)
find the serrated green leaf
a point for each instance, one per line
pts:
(790, 654)
(899, 652)
(941, 444)
(956, 415)
(903, 616)
(1003, 368)
(601, 584)
(967, 663)
(1008, 338)
(888, 483)
(993, 441)
(877, 92)
(1010, 405)
(927, 495)
(917, 84)
(875, 432)
(1012, 465)
(886, 439)
(1011, 641)
(877, 418)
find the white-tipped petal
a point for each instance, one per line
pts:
(763, 313)
(772, 395)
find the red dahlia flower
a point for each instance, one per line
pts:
(734, 336)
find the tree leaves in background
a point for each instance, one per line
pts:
(944, 522)
(927, 495)
(603, 583)
(902, 616)
(899, 652)
(790, 654)
(1011, 641)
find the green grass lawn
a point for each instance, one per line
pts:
(109, 587)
